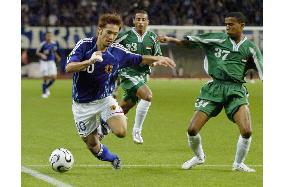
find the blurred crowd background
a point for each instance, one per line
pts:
(161, 12)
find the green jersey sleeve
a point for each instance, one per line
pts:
(157, 49)
(205, 39)
(258, 59)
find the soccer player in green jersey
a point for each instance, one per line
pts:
(133, 79)
(228, 56)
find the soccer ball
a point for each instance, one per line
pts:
(61, 160)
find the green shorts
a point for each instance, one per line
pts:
(130, 84)
(218, 94)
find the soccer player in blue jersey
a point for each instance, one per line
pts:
(48, 53)
(95, 63)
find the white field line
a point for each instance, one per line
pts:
(142, 165)
(43, 177)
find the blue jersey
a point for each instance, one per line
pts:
(98, 80)
(48, 49)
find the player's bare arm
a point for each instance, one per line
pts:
(58, 58)
(158, 60)
(80, 66)
(41, 55)
(168, 39)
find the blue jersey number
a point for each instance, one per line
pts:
(81, 126)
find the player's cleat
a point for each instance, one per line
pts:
(242, 167)
(45, 96)
(116, 164)
(137, 138)
(193, 162)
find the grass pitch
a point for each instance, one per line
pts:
(48, 124)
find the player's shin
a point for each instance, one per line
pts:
(141, 112)
(194, 143)
(44, 86)
(104, 154)
(243, 146)
(50, 82)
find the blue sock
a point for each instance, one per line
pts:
(50, 83)
(44, 87)
(105, 154)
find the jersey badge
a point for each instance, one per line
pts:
(108, 68)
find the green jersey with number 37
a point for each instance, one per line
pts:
(143, 45)
(224, 59)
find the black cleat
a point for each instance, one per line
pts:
(116, 164)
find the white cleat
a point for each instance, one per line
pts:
(45, 96)
(193, 162)
(137, 138)
(242, 167)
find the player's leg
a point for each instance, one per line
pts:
(145, 95)
(87, 124)
(52, 71)
(44, 72)
(204, 110)
(118, 125)
(100, 151)
(113, 114)
(126, 104)
(243, 120)
(237, 110)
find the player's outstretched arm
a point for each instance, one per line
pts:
(167, 39)
(81, 66)
(158, 61)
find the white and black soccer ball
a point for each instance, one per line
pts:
(61, 160)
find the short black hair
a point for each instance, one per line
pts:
(141, 12)
(238, 15)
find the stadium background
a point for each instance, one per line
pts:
(70, 21)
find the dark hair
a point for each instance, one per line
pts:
(238, 15)
(110, 19)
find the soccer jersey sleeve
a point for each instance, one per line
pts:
(77, 53)
(39, 50)
(121, 36)
(125, 57)
(258, 59)
(206, 38)
(157, 49)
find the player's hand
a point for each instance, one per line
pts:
(43, 56)
(96, 56)
(163, 39)
(165, 61)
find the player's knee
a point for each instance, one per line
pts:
(192, 131)
(247, 134)
(148, 97)
(120, 133)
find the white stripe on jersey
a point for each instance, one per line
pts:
(256, 62)
(80, 42)
(41, 44)
(206, 41)
(119, 46)
(121, 38)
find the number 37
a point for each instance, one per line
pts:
(221, 53)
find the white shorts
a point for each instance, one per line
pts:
(48, 68)
(87, 115)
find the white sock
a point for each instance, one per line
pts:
(242, 149)
(141, 112)
(194, 143)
